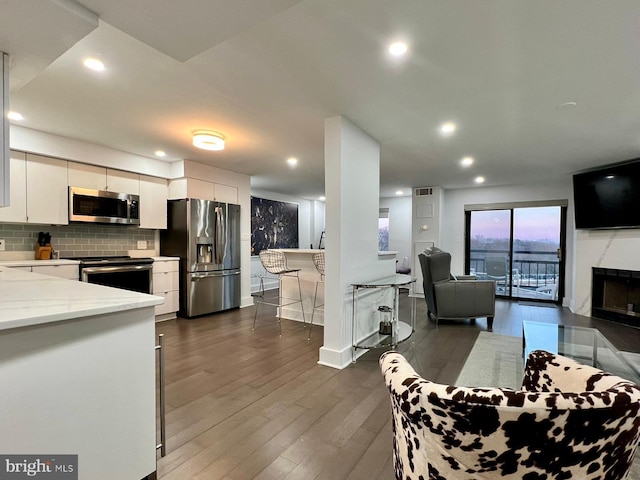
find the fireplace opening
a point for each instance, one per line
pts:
(615, 295)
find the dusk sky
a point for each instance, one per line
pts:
(540, 223)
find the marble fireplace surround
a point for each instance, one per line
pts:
(615, 295)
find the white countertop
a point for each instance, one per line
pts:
(31, 299)
(31, 263)
(297, 250)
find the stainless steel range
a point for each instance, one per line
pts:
(120, 272)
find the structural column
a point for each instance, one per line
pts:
(352, 188)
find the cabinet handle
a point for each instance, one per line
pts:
(162, 446)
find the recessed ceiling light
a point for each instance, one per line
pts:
(399, 192)
(208, 140)
(322, 198)
(94, 64)
(292, 161)
(479, 180)
(398, 49)
(448, 128)
(160, 153)
(15, 116)
(467, 161)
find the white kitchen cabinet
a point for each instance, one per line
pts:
(153, 202)
(87, 176)
(70, 272)
(200, 189)
(123, 182)
(166, 284)
(195, 188)
(101, 178)
(54, 268)
(225, 193)
(39, 191)
(17, 209)
(47, 192)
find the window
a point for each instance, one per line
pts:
(383, 230)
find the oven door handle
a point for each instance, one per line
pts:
(113, 269)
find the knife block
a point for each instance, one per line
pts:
(43, 252)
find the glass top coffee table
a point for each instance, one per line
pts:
(585, 345)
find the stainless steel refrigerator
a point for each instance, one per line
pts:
(206, 237)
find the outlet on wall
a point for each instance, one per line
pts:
(142, 244)
(1, 244)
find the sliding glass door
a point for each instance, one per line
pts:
(519, 248)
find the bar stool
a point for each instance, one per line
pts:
(275, 262)
(318, 261)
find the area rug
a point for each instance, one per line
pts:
(496, 361)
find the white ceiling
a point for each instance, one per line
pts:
(266, 73)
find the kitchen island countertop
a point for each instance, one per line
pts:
(31, 299)
(37, 263)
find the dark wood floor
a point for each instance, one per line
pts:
(245, 405)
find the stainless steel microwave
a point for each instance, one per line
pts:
(101, 206)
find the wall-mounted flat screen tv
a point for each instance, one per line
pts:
(608, 197)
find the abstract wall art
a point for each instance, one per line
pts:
(274, 224)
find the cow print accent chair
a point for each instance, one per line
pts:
(569, 421)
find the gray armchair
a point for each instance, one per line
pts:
(451, 299)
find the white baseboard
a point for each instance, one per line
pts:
(338, 359)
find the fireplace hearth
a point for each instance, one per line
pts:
(615, 295)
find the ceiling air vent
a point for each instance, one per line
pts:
(424, 192)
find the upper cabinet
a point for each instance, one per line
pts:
(101, 178)
(123, 182)
(5, 162)
(40, 194)
(47, 192)
(153, 202)
(17, 209)
(195, 188)
(38, 190)
(225, 193)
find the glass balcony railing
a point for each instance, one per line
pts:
(535, 274)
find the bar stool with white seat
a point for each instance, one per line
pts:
(275, 262)
(318, 261)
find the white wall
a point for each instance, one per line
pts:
(399, 226)
(317, 223)
(452, 224)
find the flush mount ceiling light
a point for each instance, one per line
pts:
(208, 140)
